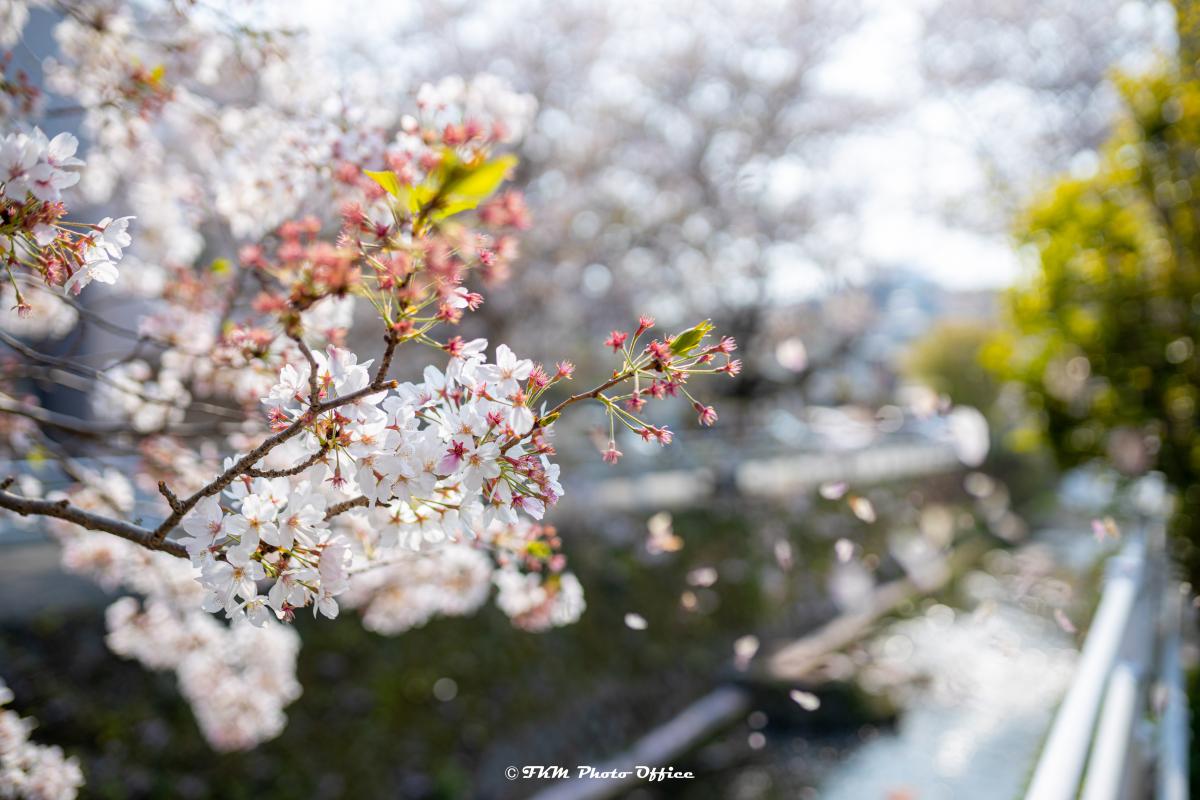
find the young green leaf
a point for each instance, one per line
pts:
(386, 179)
(478, 183)
(687, 341)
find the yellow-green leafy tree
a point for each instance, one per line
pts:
(1105, 328)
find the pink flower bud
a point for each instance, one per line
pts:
(616, 340)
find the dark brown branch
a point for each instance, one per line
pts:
(156, 539)
(389, 350)
(68, 366)
(591, 395)
(62, 509)
(314, 387)
(172, 500)
(254, 472)
(346, 505)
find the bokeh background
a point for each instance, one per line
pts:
(846, 188)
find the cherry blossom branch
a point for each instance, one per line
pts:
(180, 508)
(62, 509)
(589, 395)
(551, 415)
(389, 350)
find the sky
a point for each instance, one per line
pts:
(907, 161)
(931, 153)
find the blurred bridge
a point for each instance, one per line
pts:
(777, 477)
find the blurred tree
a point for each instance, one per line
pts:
(696, 153)
(1105, 330)
(1027, 83)
(947, 359)
(950, 359)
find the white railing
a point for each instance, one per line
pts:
(1097, 747)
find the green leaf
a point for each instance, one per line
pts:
(412, 198)
(220, 266)
(449, 209)
(35, 457)
(539, 549)
(687, 341)
(386, 179)
(477, 183)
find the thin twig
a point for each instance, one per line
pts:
(94, 430)
(247, 461)
(90, 372)
(254, 472)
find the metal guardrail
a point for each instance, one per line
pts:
(1173, 767)
(1099, 747)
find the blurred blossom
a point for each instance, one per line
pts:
(635, 622)
(978, 484)
(833, 491)
(1128, 452)
(851, 585)
(969, 434)
(937, 524)
(662, 538)
(844, 548)
(921, 559)
(783, 554)
(744, 649)
(792, 355)
(1105, 528)
(1064, 621)
(806, 700)
(862, 508)
(445, 689)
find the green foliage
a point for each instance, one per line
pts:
(465, 186)
(1105, 331)
(948, 359)
(453, 187)
(952, 359)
